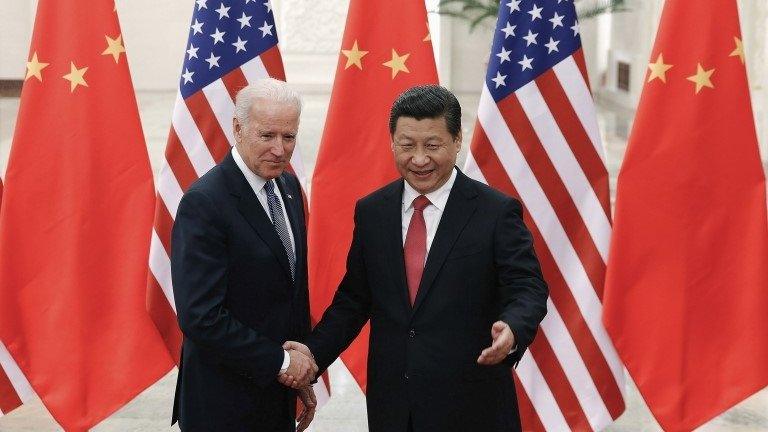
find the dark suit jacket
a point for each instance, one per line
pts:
(422, 364)
(236, 303)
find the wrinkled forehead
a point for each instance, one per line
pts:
(273, 114)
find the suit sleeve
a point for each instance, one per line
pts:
(521, 287)
(199, 272)
(349, 310)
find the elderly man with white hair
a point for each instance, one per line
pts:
(239, 268)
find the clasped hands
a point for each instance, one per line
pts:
(299, 375)
(302, 369)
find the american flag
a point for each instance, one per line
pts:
(537, 138)
(231, 43)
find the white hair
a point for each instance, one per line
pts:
(266, 88)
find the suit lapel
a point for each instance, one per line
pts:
(392, 230)
(250, 207)
(459, 209)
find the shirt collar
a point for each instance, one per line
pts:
(257, 183)
(438, 197)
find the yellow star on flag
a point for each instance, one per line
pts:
(702, 78)
(739, 51)
(397, 64)
(114, 47)
(76, 77)
(659, 69)
(35, 67)
(354, 56)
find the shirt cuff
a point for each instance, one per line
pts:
(286, 362)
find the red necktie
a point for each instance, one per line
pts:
(415, 249)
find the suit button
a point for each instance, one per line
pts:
(412, 333)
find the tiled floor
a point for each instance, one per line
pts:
(345, 412)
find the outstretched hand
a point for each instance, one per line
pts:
(503, 341)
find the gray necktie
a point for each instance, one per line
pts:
(278, 220)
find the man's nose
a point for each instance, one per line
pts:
(420, 157)
(278, 148)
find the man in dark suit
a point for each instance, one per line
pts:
(444, 268)
(239, 268)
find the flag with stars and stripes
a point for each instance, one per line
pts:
(74, 226)
(231, 43)
(537, 138)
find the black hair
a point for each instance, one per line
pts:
(427, 101)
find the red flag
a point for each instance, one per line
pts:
(76, 222)
(386, 49)
(13, 386)
(687, 282)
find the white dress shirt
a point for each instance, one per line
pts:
(432, 213)
(257, 184)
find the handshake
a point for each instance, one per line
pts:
(302, 369)
(299, 375)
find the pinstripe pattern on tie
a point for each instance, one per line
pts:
(278, 220)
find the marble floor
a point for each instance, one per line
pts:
(345, 412)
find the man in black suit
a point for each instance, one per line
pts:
(239, 269)
(444, 268)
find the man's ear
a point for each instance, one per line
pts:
(237, 128)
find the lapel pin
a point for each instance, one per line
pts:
(289, 196)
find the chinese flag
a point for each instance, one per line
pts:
(76, 221)
(686, 297)
(385, 50)
(9, 399)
